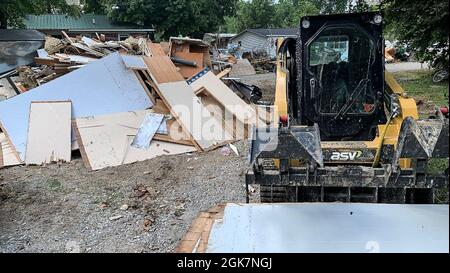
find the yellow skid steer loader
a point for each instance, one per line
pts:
(345, 129)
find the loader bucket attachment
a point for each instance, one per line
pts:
(423, 139)
(286, 143)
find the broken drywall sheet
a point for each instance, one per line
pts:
(105, 141)
(49, 133)
(102, 87)
(147, 131)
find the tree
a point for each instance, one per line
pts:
(423, 26)
(173, 17)
(12, 12)
(289, 12)
(94, 6)
(255, 14)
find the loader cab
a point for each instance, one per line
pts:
(340, 76)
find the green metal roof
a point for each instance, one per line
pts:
(84, 22)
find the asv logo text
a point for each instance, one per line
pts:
(346, 156)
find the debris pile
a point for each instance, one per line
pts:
(119, 103)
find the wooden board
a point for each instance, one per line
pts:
(49, 133)
(162, 69)
(101, 87)
(232, 126)
(105, 141)
(189, 71)
(204, 129)
(226, 97)
(176, 133)
(197, 237)
(9, 156)
(156, 49)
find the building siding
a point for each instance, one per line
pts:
(252, 42)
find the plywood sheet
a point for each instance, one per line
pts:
(102, 87)
(189, 71)
(9, 156)
(242, 68)
(105, 141)
(49, 133)
(193, 115)
(225, 96)
(162, 69)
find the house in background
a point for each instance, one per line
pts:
(86, 25)
(257, 40)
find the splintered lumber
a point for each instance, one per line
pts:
(9, 155)
(49, 132)
(101, 87)
(204, 130)
(105, 141)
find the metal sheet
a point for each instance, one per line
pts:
(147, 131)
(102, 87)
(331, 228)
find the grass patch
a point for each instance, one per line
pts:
(420, 86)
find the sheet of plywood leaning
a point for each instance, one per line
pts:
(105, 141)
(49, 133)
(205, 131)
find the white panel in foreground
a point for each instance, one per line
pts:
(49, 132)
(331, 228)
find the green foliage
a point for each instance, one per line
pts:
(255, 14)
(12, 12)
(423, 25)
(289, 12)
(94, 6)
(173, 17)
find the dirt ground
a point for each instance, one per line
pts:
(142, 207)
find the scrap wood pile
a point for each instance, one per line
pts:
(120, 109)
(61, 56)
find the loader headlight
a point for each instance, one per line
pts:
(378, 19)
(306, 23)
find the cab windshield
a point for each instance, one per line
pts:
(341, 60)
